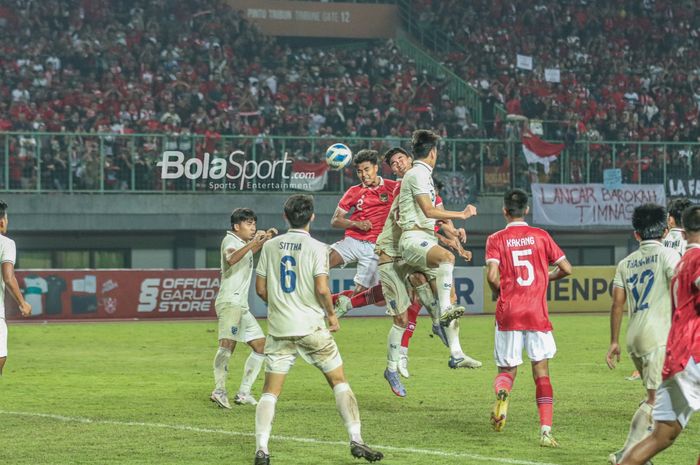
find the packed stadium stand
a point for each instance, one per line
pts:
(92, 92)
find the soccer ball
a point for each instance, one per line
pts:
(338, 156)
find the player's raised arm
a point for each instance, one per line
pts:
(431, 211)
(340, 222)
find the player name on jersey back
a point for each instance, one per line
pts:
(520, 242)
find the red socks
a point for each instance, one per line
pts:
(503, 381)
(413, 312)
(373, 295)
(545, 398)
(347, 293)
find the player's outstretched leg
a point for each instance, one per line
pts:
(665, 433)
(502, 385)
(427, 298)
(458, 359)
(264, 414)
(391, 373)
(641, 426)
(412, 312)
(371, 296)
(445, 263)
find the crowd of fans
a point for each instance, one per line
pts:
(630, 69)
(188, 74)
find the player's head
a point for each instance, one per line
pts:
(299, 210)
(691, 223)
(244, 223)
(398, 160)
(439, 185)
(515, 204)
(675, 212)
(424, 144)
(3, 217)
(367, 166)
(649, 222)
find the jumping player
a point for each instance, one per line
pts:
(518, 259)
(369, 202)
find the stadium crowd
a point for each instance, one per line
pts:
(200, 71)
(630, 70)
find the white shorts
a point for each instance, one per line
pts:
(318, 348)
(3, 338)
(392, 275)
(508, 350)
(352, 250)
(414, 247)
(679, 397)
(237, 324)
(650, 367)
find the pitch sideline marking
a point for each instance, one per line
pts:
(195, 429)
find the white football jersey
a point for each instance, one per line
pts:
(674, 240)
(417, 181)
(645, 275)
(235, 280)
(8, 253)
(290, 262)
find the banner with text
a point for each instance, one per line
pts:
(145, 294)
(684, 187)
(588, 289)
(320, 19)
(591, 204)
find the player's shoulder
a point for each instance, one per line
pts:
(670, 254)
(390, 184)
(6, 241)
(315, 245)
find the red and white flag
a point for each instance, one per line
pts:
(538, 151)
(308, 176)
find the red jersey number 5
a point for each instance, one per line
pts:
(519, 260)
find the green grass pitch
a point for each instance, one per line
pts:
(145, 388)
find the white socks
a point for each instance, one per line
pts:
(444, 284)
(426, 297)
(452, 332)
(641, 427)
(250, 371)
(393, 347)
(346, 403)
(264, 414)
(221, 367)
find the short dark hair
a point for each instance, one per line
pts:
(649, 221)
(439, 185)
(676, 208)
(298, 209)
(691, 219)
(515, 203)
(3, 209)
(423, 141)
(240, 215)
(393, 151)
(364, 155)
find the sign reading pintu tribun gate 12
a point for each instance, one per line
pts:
(591, 204)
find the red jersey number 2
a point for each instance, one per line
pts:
(520, 260)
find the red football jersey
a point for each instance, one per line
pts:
(369, 203)
(684, 336)
(523, 254)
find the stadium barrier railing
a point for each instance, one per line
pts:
(123, 163)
